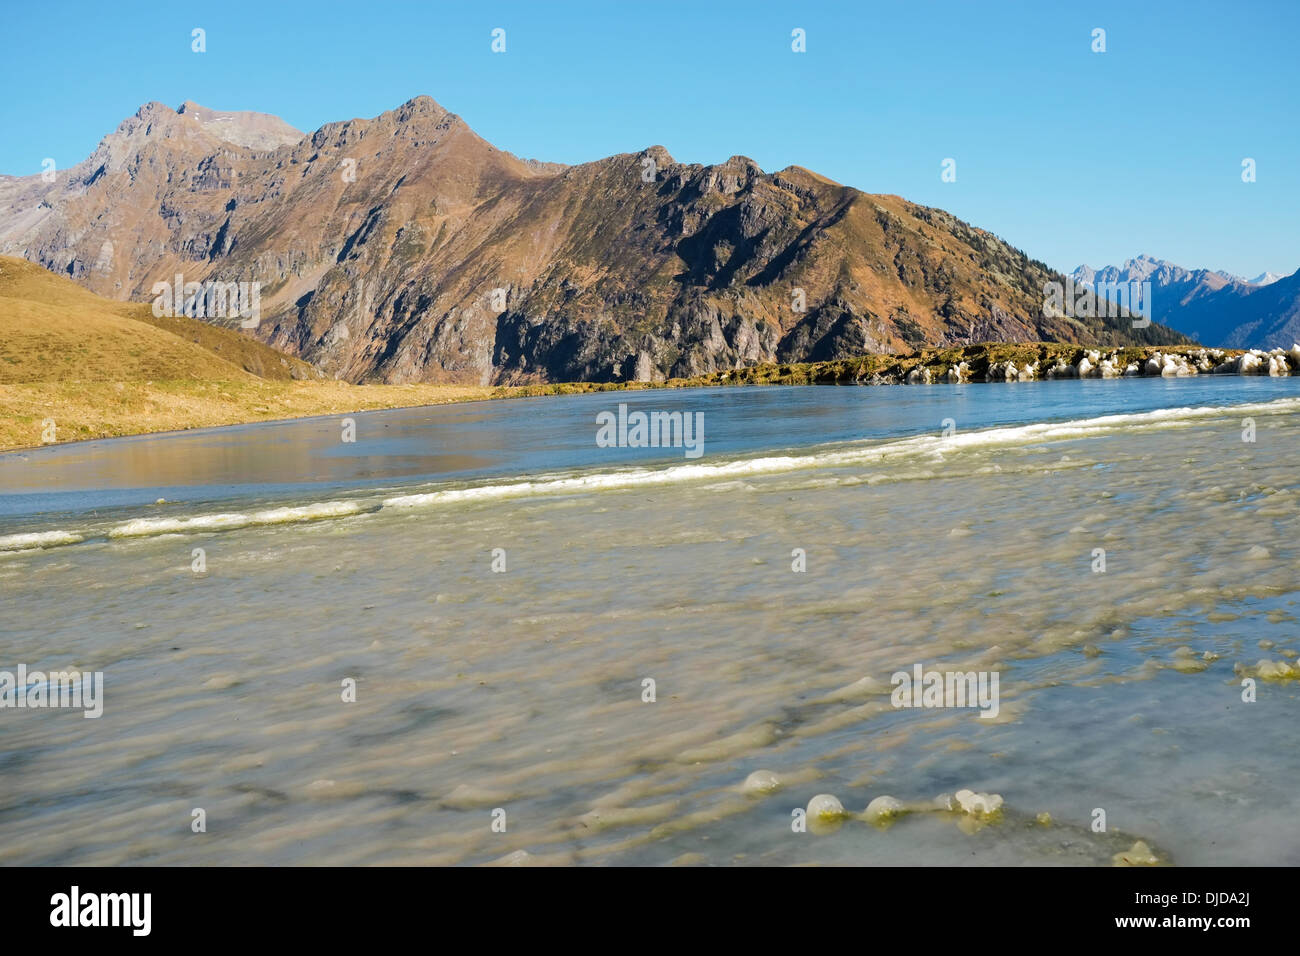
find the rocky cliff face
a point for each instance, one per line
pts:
(406, 248)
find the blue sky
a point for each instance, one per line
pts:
(1071, 155)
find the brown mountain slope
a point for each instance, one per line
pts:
(378, 245)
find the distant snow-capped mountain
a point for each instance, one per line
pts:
(1172, 285)
(1264, 278)
(1214, 307)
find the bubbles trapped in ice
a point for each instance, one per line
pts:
(761, 782)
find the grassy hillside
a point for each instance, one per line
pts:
(98, 369)
(52, 330)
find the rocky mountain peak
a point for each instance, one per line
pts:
(407, 248)
(1265, 278)
(260, 131)
(663, 159)
(152, 116)
(422, 104)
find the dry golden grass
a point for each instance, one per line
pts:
(100, 369)
(85, 410)
(51, 343)
(52, 330)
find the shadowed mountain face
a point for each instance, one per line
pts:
(1253, 316)
(406, 248)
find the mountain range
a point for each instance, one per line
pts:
(1264, 278)
(1215, 308)
(406, 248)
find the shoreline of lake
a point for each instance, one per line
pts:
(94, 411)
